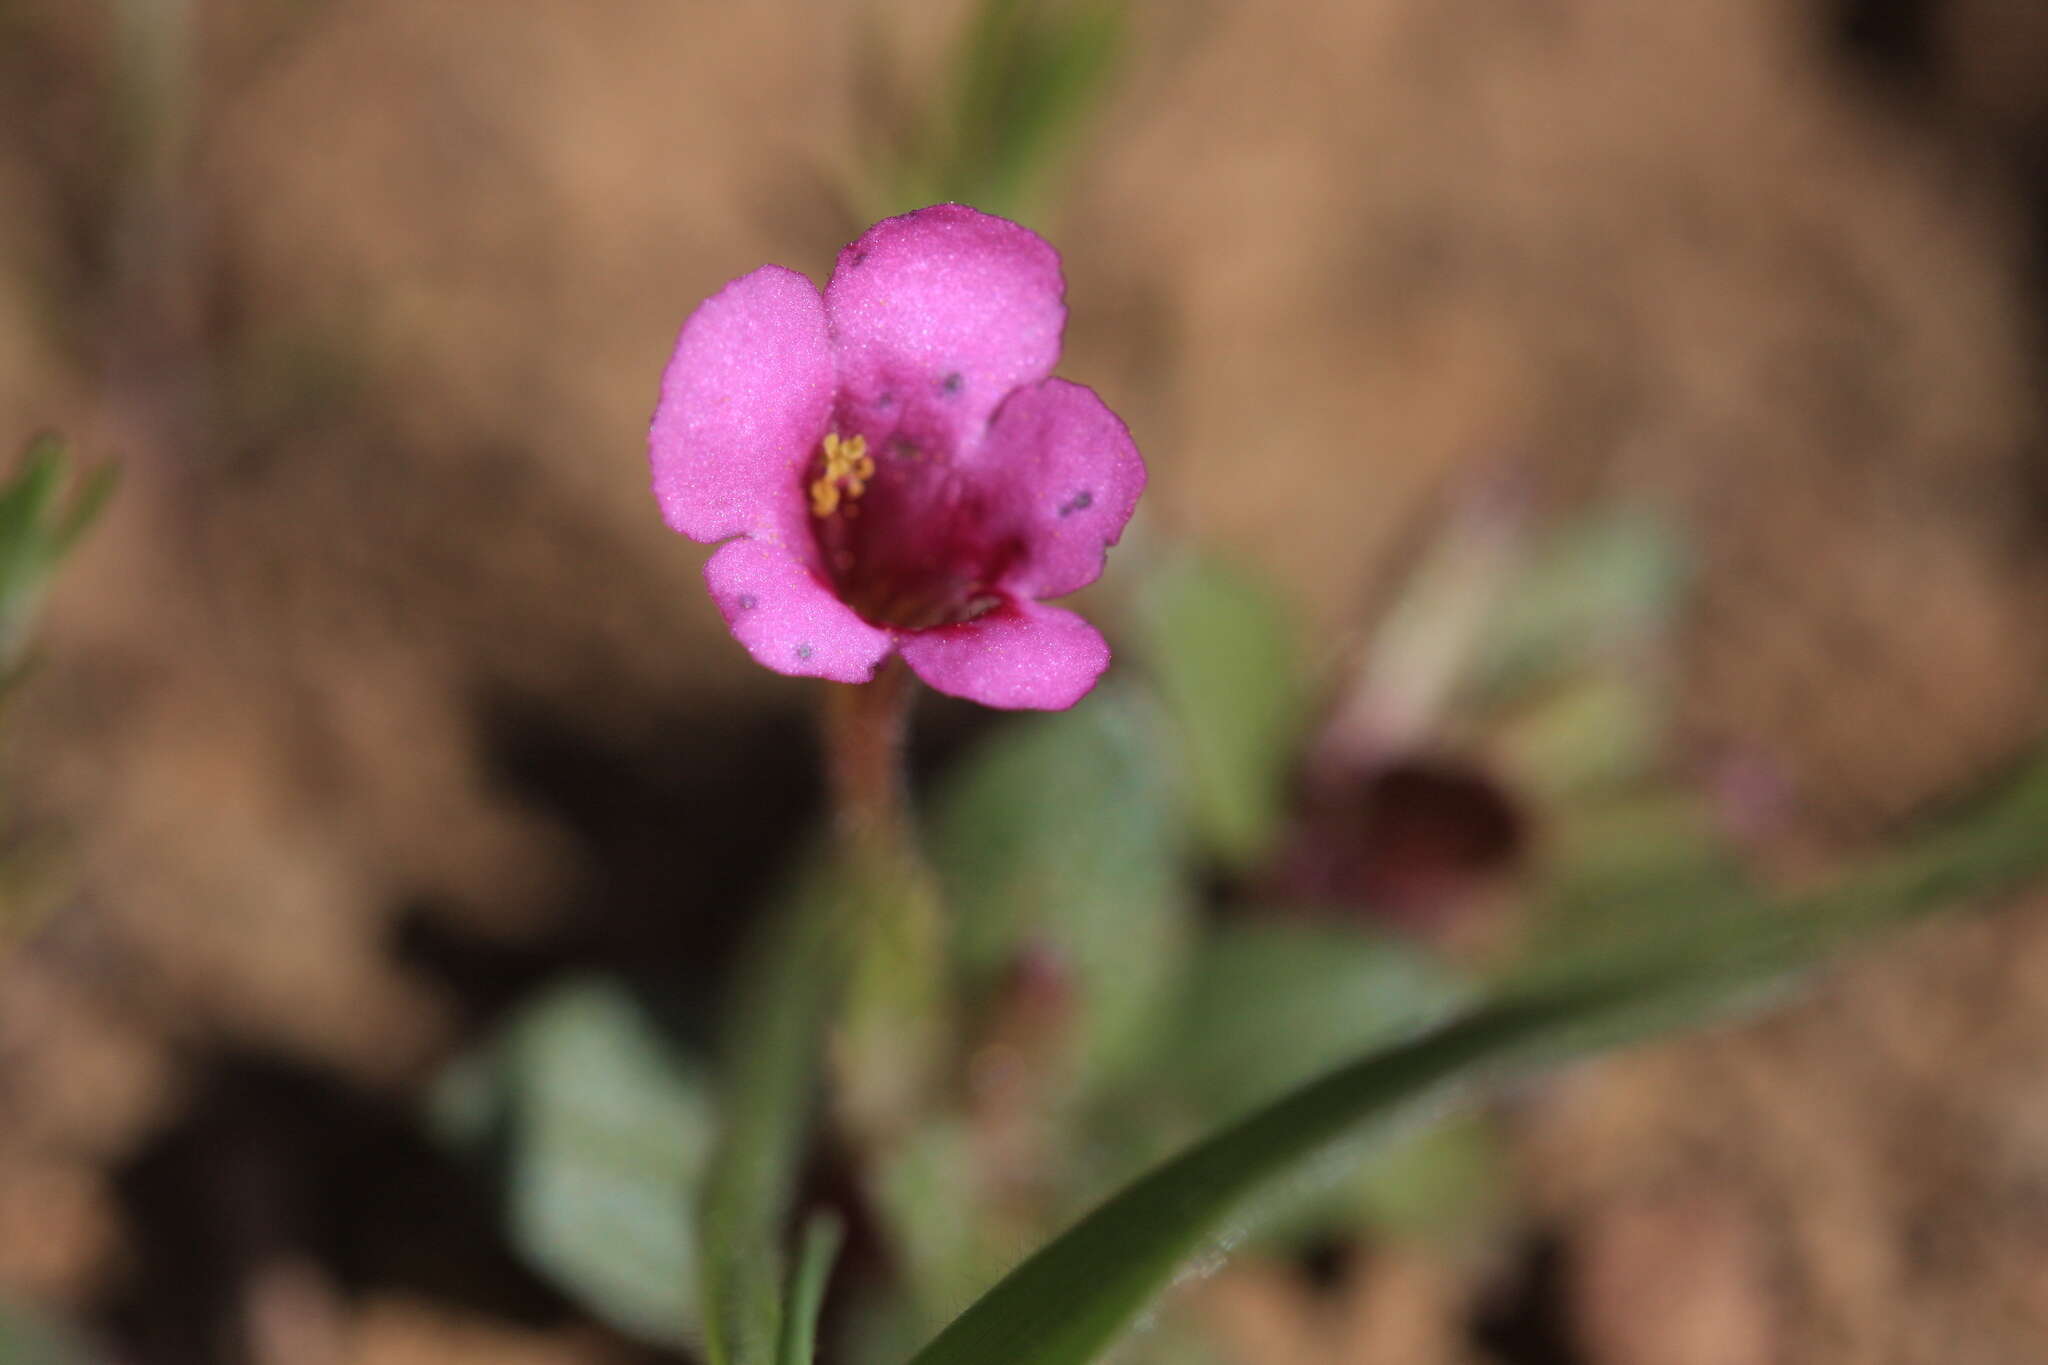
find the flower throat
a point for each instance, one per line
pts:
(905, 544)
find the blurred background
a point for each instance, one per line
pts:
(380, 741)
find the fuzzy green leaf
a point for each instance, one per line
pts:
(603, 1129)
(1217, 642)
(1063, 835)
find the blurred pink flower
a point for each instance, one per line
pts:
(890, 466)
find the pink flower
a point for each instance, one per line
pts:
(891, 468)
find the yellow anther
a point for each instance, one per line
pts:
(848, 467)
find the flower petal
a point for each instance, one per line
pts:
(1021, 656)
(787, 619)
(936, 316)
(744, 401)
(1061, 473)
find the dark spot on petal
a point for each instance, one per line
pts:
(887, 400)
(952, 383)
(803, 653)
(1080, 502)
(748, 601)
(859, 258)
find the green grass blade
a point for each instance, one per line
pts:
(822, 1236)
(1026, 75)
(26, 497)
(1069, 1301)
(776, 1030)
(24, 503)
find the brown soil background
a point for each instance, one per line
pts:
(383, 672)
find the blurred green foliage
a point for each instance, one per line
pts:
(929, 1194)
(1569, 676)
(1024, 80)
(29, 1338)
(45, 508)
(1117, 1013)
(1218, 647)
(1438, 1182)
(1272, 1002)
(1610, 868)
(602, 1130)
(823, 1234)
(1108, 1023)
(1072, 1299)
(1116, 1010)
(770, 1053)
(1061, 842)
(1609, 582)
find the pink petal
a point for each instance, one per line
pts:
(1062, 474)
(789, 620)
(1020, 656)
(744, 402)
(936, 316)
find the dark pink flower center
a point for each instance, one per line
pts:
(904, 535)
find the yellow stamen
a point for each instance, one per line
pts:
(848, 467)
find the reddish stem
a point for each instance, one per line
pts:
(865, 731)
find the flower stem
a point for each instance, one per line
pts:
(865, 729)
(885, 1054)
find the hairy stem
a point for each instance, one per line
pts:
(887, 1051)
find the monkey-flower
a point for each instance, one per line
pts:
(891, 467)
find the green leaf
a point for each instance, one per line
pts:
(36, 533)
(606, 1130)
(1592, 734)
(1063, 834)
(612, 1135)
(1607, 582)
(822, 1236)
(923, 1188)
(1219, 646)
(1270, 1004)
(1069, 1301)
(25, 498)
(1620, 870)
(1440, 1179)
(1274, 1003)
